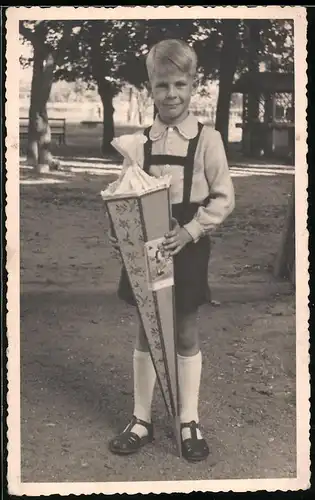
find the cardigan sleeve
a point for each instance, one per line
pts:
(221, 190)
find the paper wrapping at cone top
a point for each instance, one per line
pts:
(133, 180)
(139, 209)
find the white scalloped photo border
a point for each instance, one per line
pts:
(302, 480)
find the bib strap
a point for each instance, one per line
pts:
(189, 166)
(186, 161)
(147, 151)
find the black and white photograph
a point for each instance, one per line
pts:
(157, 342)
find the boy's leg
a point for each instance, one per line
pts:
(189, 375)
(188, 338)
(144, 382)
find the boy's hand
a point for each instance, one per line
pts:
(176, 239)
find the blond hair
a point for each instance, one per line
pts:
(172, 54)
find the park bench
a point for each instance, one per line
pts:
(91, 123)
(57, 127)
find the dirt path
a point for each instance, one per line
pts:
(77, 341)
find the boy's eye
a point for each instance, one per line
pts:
(164, 85)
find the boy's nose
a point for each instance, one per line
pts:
(171, 91)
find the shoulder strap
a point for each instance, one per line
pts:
(188, 161)
(147, 151)
(189, 166)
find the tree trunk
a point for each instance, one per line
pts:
(44, 155)
(228, 63)
(284, 266)
(129, 112)
(32, 147)
(39, 135)
(257, 142)
(140, 117)
(44, 63)
(107, 93)
(141, 107)
(105, 88)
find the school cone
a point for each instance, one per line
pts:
(139, 222)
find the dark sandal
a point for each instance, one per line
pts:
(129, 442)
(194, 449)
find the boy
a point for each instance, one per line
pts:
(202, 196)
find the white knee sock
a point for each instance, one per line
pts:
(189, 375)
(144, 382)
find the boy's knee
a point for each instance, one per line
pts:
(186, 342)
(187, 336)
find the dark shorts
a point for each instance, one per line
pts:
(190, 278)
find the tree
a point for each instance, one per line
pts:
(229, 57)
(277, 41)
(217, 43)
(245, 44)
(83, 62)
(101, 73)
(96, 55)
(284, 266)
(72, 51)
(48, 39)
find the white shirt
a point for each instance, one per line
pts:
(211, 175)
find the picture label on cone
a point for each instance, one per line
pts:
(159, 265)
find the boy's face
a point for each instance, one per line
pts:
(171, 92)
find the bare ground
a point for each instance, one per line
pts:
(77, 341)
